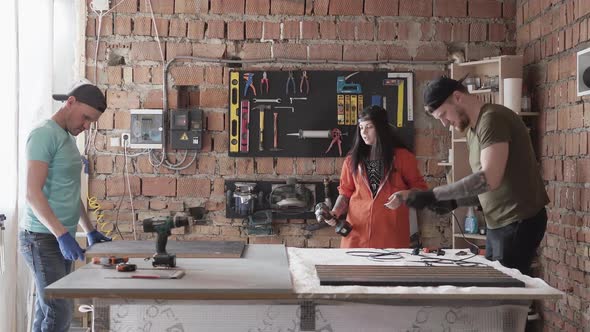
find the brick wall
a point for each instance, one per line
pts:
(130, 70)
(549, 33)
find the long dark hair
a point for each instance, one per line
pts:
(387, 139)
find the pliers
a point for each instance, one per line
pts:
(249, 77)
(264, 82)
(290, 82)
(304, 81)
(336, 138)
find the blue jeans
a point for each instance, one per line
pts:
(42, 254)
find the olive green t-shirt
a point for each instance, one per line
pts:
(521, 193)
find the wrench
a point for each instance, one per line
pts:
(278, 100)
(297, 98)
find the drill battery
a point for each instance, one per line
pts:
(109, 261)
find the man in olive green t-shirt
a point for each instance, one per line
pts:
(506, 179)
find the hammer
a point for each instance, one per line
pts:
(261, 109)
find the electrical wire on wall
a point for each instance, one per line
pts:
(126, 175)
(103, 226)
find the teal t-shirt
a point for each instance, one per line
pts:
(50, 143)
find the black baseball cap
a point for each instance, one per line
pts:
(86, 93)
(438, 90)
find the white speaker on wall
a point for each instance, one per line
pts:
(583, 72)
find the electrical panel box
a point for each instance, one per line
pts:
(186, 129)
(146, 128)
(583, 72)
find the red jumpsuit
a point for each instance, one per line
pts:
(374, 225)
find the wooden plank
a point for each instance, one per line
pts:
(182, 249)
(371, 275)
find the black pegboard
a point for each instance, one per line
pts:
(319, 111)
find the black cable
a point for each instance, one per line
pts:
(384, 255)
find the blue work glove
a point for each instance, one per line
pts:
(420, 199)
(69, 247)
(97, 237)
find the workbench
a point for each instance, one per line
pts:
(272, 288)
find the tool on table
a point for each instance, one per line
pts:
(109, 261)
(275, 144)
(234, 114)
(244, 131)
(264, 83)
(304, 82)
(278, 100)
(178, 274)
(261, 109)
(287, 107)
(344, 87)
(126, 267)
(323, 212)
(162, 227)
(249, 77)
(336, 138)
(290, 83)
(297, 98)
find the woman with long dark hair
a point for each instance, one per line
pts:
(378, 166)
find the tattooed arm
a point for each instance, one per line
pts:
(493, 163)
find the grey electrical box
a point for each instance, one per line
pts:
(146, 128)
(583, 72)
(186, 129)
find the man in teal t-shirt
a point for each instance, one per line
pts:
(54, 207)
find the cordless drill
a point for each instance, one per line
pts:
(163, 226)
(322, 212)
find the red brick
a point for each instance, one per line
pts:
(106, 120)
(206, 164)
(291, 30)
(346, 7)
(304, 166)
(583, 139)
(497, 32)
(214, 75)
(443, 32)
(146, 51)
(106, 28)
(227, 7)
(409, 31)
(244, 166)
(485, 8)
(209, 50)
(158, 186)
(460, 32)
(320, 7)
(196, 29)
(215, 29)
(191, 6)
(256, 51)
(310, 30)
(327, 30)
(214, 98)
(96, 188)
(325, 166)
(253, 30)
(272, 30)
(158, 204)
(122, 99)
(91, 27)
(287, 7)
(226, 165)
(259, 7)
(359, 53)
(427, 31)
(215, 121)
(161, 27)
(235, 30)
(477, 32)
(346, 30)
(387, 30)
(178, 28)
(185, 75)
(365, 31)
(431, 52)
(220, 142)
(392, 52)
(115, 74)
(284, 166)
(382, 8)
(158, 7)
(117, 186)
(141, 74)
(264, 165)
(450, 8)
(142, 26)
(124, 6)
(123, 26)
(103, 165)
(290, 51)
(509, 9)
(325, 52)
(548, 166)
(189, 187)
(415, 8)
(178, 49)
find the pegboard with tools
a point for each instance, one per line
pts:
(302, 113)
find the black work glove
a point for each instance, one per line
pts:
(420, 199)
(443, 207)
